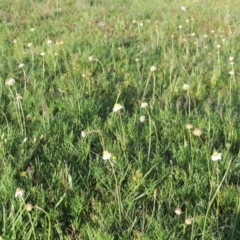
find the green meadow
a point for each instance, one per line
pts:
(119, 119)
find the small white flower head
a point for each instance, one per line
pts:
(19, 192)
(197, 132)
(106, 155)
(223, 40)
(25, 139)
(134, 21)
(29, 44)
(42, 54)
(144, 105)
(205, 35)
(231, 72)
(10, 82)
(49, 42)
(142, 119)
(141, 24)
(178, 211)
(83, 134)
(18, 96)
(137, 60)
(117, 107)
(218, 46)
(231, 58)
(91, 58)
(216, 156)
(152, 68)
(29, 207)
(14, 41)
(188, 221)
(185, 86)
(180, 26)
(32, 29)
(183, 9)
(189, 126)
(187, 21)
(21, 65)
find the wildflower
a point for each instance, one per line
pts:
(91, 58)
(29, 207)
(144, 105)
(32, 29)
(29, 44)
(189, 126)
(49, 42)
(14, 41)
(106, 155)
(117, 107)
(180, 26)
(21, 65)
(83, 134)
(218, 46)
(197, 132)
(10, 82)
(188, 221)
(152, 68)
(25, 140)
(42, 54)
(23, 174)
(231, 72)
(178, 211)
(216, 156)
(19, 192)
(185, 86)
(183, 9)
(231, 59)
(18, 96)
(141, 24)
(142, 119)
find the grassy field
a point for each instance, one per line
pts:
(119, 119)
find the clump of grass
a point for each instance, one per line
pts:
(119, 120)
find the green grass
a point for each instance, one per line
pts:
(57, 119)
